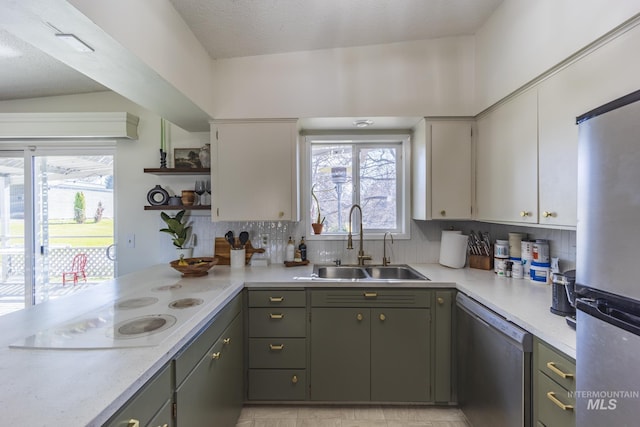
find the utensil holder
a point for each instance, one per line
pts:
(238, 258)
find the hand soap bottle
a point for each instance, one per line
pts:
(289, 251)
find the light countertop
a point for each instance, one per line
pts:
(85, 387)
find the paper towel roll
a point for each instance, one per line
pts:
(453, 249)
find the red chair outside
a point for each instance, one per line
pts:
(77, 270)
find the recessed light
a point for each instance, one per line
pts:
(73, 41)
(362, 123)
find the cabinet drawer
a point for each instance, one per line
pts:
(376, 297)
(557, 366)
(277, 322)
(277, 298)
(277, 384)
(550, 399)
(283, 353)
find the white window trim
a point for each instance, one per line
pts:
(404, 179)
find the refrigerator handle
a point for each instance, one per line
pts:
(610, 314)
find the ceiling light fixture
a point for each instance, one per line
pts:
(73, 41)
(362, 123)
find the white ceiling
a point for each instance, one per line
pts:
(235, 28)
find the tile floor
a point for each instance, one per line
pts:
(351, 416)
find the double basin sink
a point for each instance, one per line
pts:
(373, 273)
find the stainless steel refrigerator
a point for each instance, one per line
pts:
(608, 265)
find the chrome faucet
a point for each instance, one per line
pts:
(385, 260)
(361, 256)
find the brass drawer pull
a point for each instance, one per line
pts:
(370, 294)
(552, 397)
(294, 379)
(383, 317)
(133, 423)
(440, 300)
(552, 366)
(226, 341)
(216, 355)
(359, 317)
(276, 347)
(276, 299)
(276, 316)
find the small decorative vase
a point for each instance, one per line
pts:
(317, 228)
(205, 156)
(188, 197)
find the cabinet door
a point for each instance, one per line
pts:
(340, 362)
(254, 172)
(212, 394)
(400, 362)
(450, 170)
(442, 345)
(507, 162)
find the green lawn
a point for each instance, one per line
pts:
(68, 232)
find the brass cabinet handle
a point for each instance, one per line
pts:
(276, 316)
(440, 300)
(226, 341)
(276, 299)
(294, 379)
(276, 347)
(555, 370)
(552, 397)
(359, 316)
(216, 355)
(133, 423)
(443, 213)
(383, 317)
(524, 213)
(547, 214)
(370, 294)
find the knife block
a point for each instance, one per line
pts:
(222, 251)
(481, 262)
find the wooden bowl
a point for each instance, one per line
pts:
(196, 266)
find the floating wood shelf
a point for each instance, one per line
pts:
(178, 171)
(177, 208)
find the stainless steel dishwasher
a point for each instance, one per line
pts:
(493, 367)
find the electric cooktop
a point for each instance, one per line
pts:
(144, 319)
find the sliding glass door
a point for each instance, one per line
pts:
(63, 227)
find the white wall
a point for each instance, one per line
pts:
(524, 38)
(433, 77)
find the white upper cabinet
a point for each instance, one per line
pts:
(442, 169)
(254, 170)
(602, 76)
(507, 162)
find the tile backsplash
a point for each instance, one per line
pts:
(423, 247)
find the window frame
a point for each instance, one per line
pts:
(403, 180)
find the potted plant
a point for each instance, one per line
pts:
(179, 230)
(317, 226)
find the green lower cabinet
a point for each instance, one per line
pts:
(400, 362)
(212, 394)
(443, 346)
(150, 404)
(340, 354)
(370, 354)
(277, 384)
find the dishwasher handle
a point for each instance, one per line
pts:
(520, 337)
